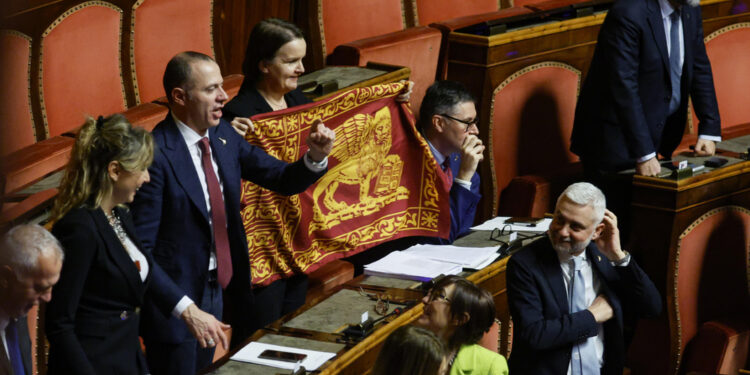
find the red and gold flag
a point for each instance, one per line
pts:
(382, 184)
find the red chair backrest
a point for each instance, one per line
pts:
(80, 66)
(531, 121)
(728, 50)
(708, 273)
(16, 120)
(162, 29)
(345, 21)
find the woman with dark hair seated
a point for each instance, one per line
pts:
(411, 350)
(460, 313)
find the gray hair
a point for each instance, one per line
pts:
(22, 246)
(586, 194)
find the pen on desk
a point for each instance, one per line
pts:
(528, 225)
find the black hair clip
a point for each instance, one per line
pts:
(99, 122)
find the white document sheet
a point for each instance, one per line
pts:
(252, 350)
(468, 257)
(499, 223)
(401, 265)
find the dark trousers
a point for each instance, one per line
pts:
(187, 357)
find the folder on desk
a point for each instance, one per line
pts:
(402, 265)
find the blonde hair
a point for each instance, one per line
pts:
(99, 142)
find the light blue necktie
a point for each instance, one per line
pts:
(675, 73)
(583, 358)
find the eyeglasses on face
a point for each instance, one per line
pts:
(467, 124)
(437, 295)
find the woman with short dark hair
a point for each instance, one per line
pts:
(460, 313)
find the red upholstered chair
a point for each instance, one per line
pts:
(146, 115)
(491, 338)
(417, 48)
(80, 67)
(728, 50)
(709, 303)
(161, 29)
(529, 134)
(357, 32)
(16, 120)
(426, 12)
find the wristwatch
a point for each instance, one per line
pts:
(624, 260)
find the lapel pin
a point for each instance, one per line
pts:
(598, 258)
(223, 141)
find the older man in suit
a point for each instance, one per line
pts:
(30, 264)
(189, 214)
(569, 292)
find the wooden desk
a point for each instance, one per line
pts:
(483, 63)
(345, 305)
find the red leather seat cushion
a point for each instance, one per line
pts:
(163, 28)
(16, 125)
(81, 67)
(720, 347)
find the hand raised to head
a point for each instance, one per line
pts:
(608, 241)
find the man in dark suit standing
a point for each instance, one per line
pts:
(448, 121)
(569, 292)
(30, 264)
(649, 58)
(189, 214)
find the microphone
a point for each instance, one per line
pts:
(362, 330)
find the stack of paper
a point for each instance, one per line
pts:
(403, 265)
(251, 352)
(467, 257)
(499, 223)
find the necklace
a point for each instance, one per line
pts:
(274, 104)
(116, 224)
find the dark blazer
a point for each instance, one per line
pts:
(544, 332)
(463, 202)
(249, 102)
(172, 220)
(622, 112)
(92, 322)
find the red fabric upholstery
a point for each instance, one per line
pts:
(16, 120)
(18, 209)
(161, 29)
(728, 50)
(345, 21)
(531, 121)
(31, 322)
(431, 11)
(327, 277)
(535, 195)
(416, 48)
(146, 115)
(446, 27)
(708, 274)
(720, 347)
(543, 5)
(490, 338)
(232, 85)
(81, 67)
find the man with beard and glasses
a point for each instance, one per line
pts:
(569, 291)
(649, 58)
